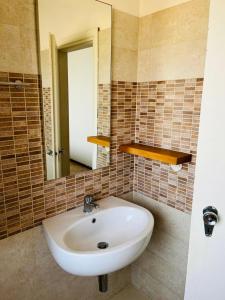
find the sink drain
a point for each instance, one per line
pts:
(102, 245)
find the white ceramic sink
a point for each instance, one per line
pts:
(73, 237)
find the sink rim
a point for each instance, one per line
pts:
(61, 243)
(147, 229)
(104, 261)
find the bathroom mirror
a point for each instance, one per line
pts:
(75, 62)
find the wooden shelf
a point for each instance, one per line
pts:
(99, 140)
(163, 155)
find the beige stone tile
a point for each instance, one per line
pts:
(46, 77)
(144, 71)
(30, 272)
(18, 37)
(144, 34)
(170, 248)
(175, 61)
(172, 42)
(124, 64)
(11, 48)
(124, 30)
(130, 293)
(104, 56)
(151, 287)
(162, 270)
(188, 21)
(18, 13)
(165, 260)
(167, 219)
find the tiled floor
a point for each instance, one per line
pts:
(75, 167)
(130, 293)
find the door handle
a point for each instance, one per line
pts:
(49, 152)
(210, 218)
(61, 151)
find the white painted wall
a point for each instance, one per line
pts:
(129, 6)
(77, 18)
(143, 7)
(150, 6)
(206, 264)
(63, 13)
(81, 104)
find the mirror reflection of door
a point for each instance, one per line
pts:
(82, 109)
(78, 107)
(51, 112)
(75, 80)
(75, 60)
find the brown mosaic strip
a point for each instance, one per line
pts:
(168, 114)
(103, 122)
(25, 197)
(103, 157)
(104, 108)
(47, 111)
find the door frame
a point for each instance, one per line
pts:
(53, 56)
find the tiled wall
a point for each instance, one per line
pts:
(21, 160)
(160, 272)
(26, 198)
(124, 46)
(165, 113)
(171, 57)
(47, 115)
(172, 42)
(168, 114)
(103, 122)
(18, 37)
(104, 101)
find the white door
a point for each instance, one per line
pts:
(82, 107)
(206, 263)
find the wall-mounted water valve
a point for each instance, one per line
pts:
(210, 218)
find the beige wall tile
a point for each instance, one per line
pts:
(11, 48)
(172, 42)
(125, 30)
(185, 22)
(174, 61)
(124, 62)
(46, 75)
(16, 12)
(104, 56)
(161, 271)
(18, 37)
(124, 46)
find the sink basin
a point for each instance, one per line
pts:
(103, 241)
